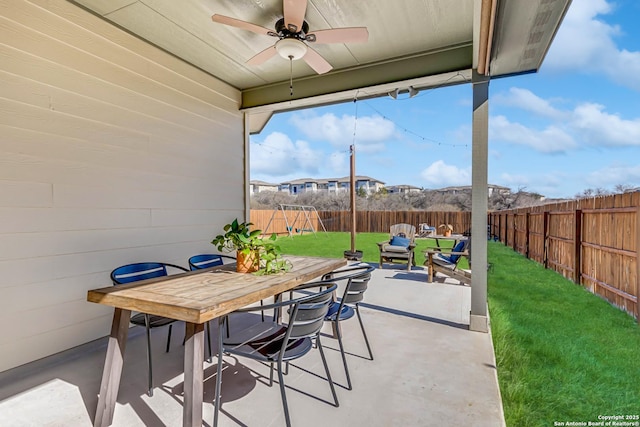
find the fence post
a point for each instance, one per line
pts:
(638, 264)
(545, 240)
(515, 235)
(577, 268)
(526, 237)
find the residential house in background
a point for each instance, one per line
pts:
(314, 185)
(256, 186)
(403, 189)
(492, 189)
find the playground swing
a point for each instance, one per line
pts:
(301, 222)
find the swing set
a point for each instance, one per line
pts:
(301, 222)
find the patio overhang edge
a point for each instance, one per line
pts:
(339, 86)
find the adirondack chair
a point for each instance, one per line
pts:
(400, 245)
(445, 261)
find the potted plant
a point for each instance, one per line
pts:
(253, 253)
(447, 229)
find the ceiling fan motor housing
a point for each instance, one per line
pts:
(285, 33)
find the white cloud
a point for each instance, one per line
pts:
(440, 174)
(339, 163)
(371, 132)
(613, 175)
(515, 181)
(278, 156)
(604, 129)
(586, 44)
(587, 123)
(528, 101)
(550, 140)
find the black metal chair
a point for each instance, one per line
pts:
(357, 280)
(142, 271)
(274, 342)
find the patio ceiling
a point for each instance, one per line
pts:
(422, 43)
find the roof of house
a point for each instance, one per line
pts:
(327, 180)
(262, 183)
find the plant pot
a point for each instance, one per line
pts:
(247, 263)
(353, 255)
(447, 233)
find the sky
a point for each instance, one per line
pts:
(574, 125)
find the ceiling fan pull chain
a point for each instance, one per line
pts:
(291, 75)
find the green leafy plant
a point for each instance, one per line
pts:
(239, 237)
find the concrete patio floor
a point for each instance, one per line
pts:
(428, 370)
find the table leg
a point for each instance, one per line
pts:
(112, 368)
(430, 267)
(193, 375)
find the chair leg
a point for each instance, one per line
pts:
(149, 365)
(271, 374)
(366, 340)
(218, 374)
(344, 358)
(168, 339)
(283, 394)
(326, 369)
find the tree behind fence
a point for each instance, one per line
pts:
(367, 221)
(594, 242)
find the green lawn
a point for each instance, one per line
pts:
(562, 353)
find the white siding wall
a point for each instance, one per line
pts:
(111, 151)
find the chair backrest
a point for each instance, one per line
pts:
(459, 247)
(403, 230)
(307, 313)
(201, 261)
(357, 278)
(141, 271)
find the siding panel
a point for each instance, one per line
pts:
(110, 153)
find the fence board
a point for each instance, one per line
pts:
(594, 242)
(367, 221)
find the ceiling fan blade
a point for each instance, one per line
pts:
(317, 62)
(340, 35)
(263, 56)
(226, 20)
(294, 11)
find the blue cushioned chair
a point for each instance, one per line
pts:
(201, 261)
(400, 245)
(356, 279)
(445, 261)
(141, 271)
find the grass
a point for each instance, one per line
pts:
(333, 245)
(563, 354)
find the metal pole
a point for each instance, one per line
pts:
(353, 198)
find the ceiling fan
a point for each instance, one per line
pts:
(293, 36)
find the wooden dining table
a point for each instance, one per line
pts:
(195, 298)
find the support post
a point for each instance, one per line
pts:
(478, 320)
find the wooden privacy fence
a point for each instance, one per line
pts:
(367, 221)
(594, 242)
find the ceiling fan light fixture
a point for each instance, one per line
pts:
(291, 48)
